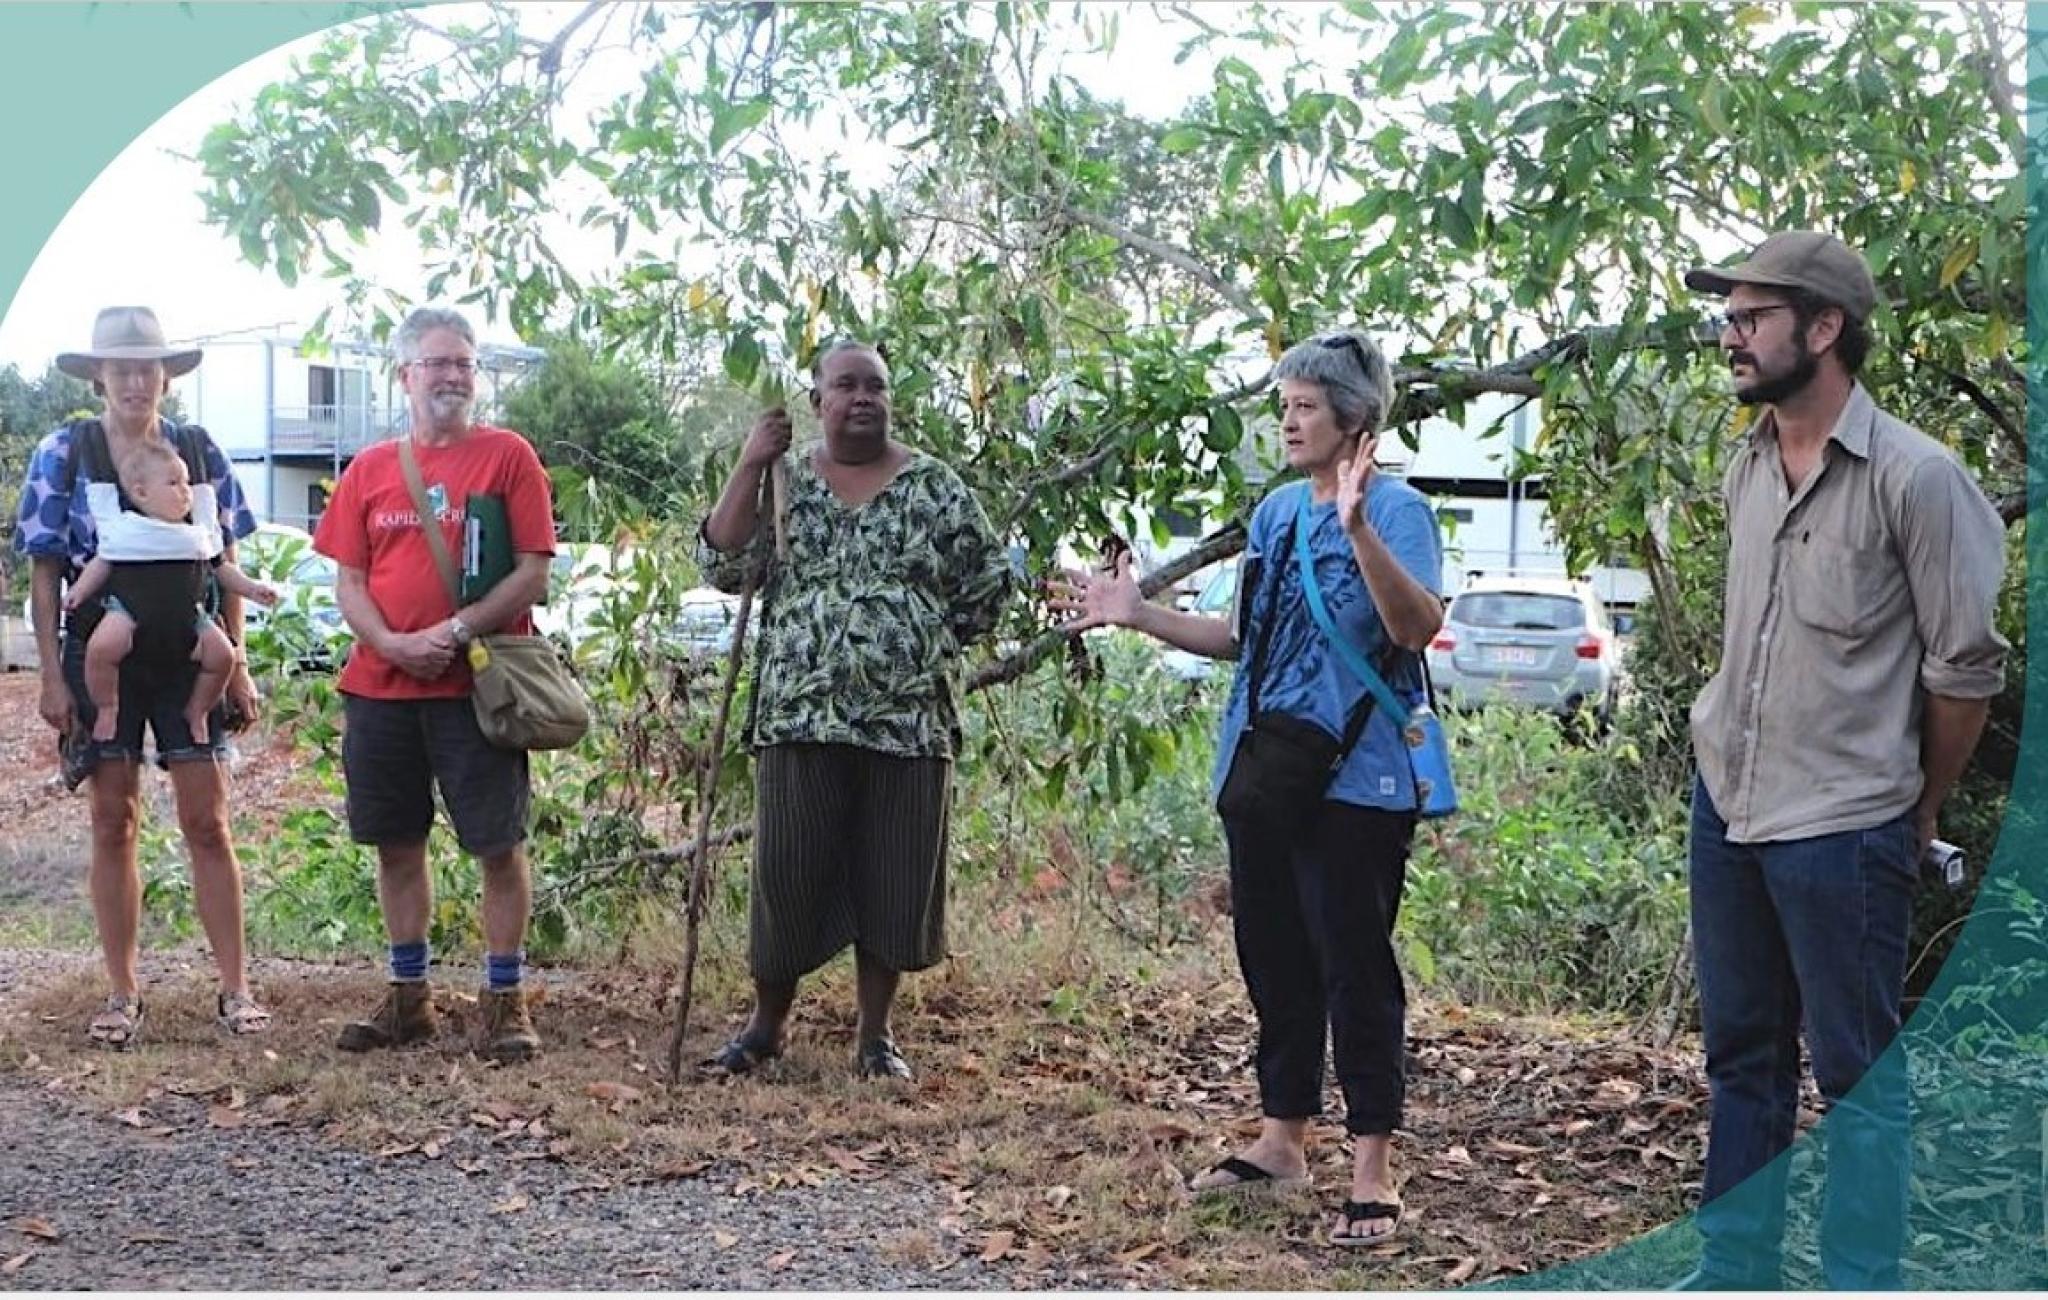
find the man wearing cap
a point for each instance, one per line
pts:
(131, 366)
(1858, 659)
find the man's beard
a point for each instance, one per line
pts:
(1763, 391)
(449, 408)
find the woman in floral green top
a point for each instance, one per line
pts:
(891, 568)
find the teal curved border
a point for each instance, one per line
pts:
(79, 82)
(107, 71)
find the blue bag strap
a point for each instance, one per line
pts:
(1313, 593)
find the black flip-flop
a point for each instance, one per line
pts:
(1357, 1212)
(1249, 1178)
(744, 1055)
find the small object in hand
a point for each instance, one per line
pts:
(1944, 860)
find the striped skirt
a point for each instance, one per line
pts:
(850, 848)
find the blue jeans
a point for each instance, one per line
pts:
(1816, 926)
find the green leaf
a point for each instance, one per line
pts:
(1456, 225)
(742, 358)
(730, 120)
(1225, 431)
(1184, 139)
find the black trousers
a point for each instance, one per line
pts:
(1313, 909)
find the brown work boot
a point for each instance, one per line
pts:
(506, 1034)
(406, 1015)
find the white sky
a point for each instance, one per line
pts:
(138, 233)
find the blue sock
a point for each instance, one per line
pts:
(502, 969)
(409, 961)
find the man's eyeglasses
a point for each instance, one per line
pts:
(460, 365)
(1742, 320)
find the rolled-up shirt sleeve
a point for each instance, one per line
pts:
(1954, 549)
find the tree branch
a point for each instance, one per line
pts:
(1220, 545)
(551, 53)
(1172, 256)
(1993, 52)
(1980, 399)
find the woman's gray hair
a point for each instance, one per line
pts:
(1353, 373)
(423, 321)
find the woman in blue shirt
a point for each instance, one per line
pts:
(1314, 898)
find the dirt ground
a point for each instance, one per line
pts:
(1062, 1103)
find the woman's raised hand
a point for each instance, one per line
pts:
(1106, 599)
(1353, 477)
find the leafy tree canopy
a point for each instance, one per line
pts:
(1081, 300)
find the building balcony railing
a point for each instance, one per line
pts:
(335, 430)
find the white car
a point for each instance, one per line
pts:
(1217, 599)
(1541, 641)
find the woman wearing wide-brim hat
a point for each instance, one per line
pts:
(130, 366)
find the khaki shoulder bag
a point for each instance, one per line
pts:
(525, 695)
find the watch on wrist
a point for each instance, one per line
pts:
(460, 631)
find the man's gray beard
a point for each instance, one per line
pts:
(449, 410)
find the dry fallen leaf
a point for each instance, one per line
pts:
(13, 1266)
(133, 1117)
(224, 1117)
(398, 1149)
(1138, 1253)
(726, 1240)
(512, 1204)
(241, 1162)
(1463, 1269)
(149, 1237)
(683, 1169)
(39, 1227)
(776, 1263)
(1458, 1156)
(1577, 1127)
(617, 1093)
(996, 1245)
(1169, 1132)
(431, 1149)
(1512, 1148)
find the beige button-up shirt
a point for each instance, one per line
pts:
(1872, 583)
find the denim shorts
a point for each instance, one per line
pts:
(154, 693)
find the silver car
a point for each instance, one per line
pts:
(1541, 642)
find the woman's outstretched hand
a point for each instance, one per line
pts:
(1106, 599)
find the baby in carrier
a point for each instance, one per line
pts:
(158, 538)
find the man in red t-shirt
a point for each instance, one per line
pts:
(408, 720)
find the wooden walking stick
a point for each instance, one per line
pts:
(772, 501)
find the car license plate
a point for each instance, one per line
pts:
(1512, 656)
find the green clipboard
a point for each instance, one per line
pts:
(486, 545)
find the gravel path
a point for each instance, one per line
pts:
(279, 1208)
(226, 1210)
